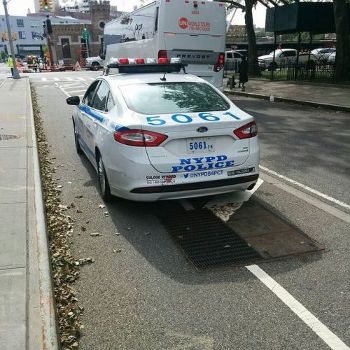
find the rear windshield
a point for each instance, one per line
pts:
(163, 98)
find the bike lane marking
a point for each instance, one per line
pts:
(294, 305)
(307, 188)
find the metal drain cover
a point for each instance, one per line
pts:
(205, 239)
(4, 137)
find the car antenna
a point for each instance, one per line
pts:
(163, 79)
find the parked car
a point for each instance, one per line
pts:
(331, 58)
(232, 59)
(243, 52)
(322, 54)
(153, 133)
(308, 58)
(94, 63)
(285, 57)
(281, 57)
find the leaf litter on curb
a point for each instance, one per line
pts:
(65, 268)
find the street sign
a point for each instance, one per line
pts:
(85, 34)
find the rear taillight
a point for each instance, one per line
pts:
(140, 61)
(163, 60)
(246, 131)
(220, 63)
(139, 138)
(162, 54)
(123, 61)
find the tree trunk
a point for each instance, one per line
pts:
(341, 18)
(249, 24)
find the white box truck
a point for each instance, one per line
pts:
(191, 30)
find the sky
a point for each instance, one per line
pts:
(16, 7)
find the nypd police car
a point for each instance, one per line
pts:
(153, 132)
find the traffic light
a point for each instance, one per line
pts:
(48, 26)
(46, 6)
(4, 36)
(85, 34)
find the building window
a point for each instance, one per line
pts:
(65, 48)
(22, 35)
(20, 22)
(35, 24)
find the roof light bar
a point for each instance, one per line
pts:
(148, 68)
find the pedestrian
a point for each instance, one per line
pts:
(243, 73)
(10, 63)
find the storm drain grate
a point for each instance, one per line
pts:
(205, 239)
(4, 137)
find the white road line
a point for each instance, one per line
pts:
(75, 87)
(305, 315)
(308, 198)
(56, 79)
(61, 88)
(69, 78)
(92, 78)
(43, 79)
(307, 188)
(76, 91)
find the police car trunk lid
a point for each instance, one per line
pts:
(196, 144)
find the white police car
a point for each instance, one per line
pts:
(154, 133)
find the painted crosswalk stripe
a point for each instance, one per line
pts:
(69, 78)
(43, 79)
(56, 79)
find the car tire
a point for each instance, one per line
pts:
(272, 66)
(103, 180)
(95, 66)
(76, 141)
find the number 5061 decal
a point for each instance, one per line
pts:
(185, 119)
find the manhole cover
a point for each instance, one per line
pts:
(4, 137)
(205, 239)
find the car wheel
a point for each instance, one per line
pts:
(95, 66)
(272, 66)
(103, 180)
(76, 141)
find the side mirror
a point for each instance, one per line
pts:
(73, 100)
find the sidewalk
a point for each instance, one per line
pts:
(27, 319)
(328, 96)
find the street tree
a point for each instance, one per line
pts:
(342, 20)
(247, 7)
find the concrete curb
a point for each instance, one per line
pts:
(48, 339)
(290, 100)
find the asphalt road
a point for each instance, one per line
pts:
(141, 292)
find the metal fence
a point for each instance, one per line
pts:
(298, 72)
(303, 71)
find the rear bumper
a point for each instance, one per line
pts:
(187, 190)
(141, 182)
(197, 185)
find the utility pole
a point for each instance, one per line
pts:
(15, 71)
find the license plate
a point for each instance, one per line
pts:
(200, 145)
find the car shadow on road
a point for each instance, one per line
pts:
(139, 224)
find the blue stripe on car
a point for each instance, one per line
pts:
(120, 128)
(91, 113)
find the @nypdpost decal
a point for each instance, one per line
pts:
(202, 163)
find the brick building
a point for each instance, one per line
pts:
(66, 40)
